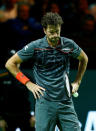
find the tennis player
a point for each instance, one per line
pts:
(50, 55)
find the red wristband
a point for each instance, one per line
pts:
(22, 78)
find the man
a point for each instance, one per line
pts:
(50, 55)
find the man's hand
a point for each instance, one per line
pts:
(35, 89)
(75, 86)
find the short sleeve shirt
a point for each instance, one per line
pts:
(50, 65)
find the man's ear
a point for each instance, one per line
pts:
(44, 30)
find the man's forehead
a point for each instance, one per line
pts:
(53, 27)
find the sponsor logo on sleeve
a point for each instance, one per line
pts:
(26, 47)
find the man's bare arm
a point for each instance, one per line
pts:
(12, 66)
(83, 60)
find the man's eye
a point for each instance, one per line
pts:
(51, 32)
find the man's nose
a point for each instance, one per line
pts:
(55, 35)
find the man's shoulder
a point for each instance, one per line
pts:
(37, 42)
(67, 43)
(66, 40)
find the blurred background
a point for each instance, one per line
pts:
(19, 25)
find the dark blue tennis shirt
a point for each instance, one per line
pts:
(50, 65)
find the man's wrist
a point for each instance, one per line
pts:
(22, 78)
(27, 83)
(77, 81)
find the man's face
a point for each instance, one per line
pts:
(53, 34)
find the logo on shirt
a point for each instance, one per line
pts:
(26, 47)
(66, 49)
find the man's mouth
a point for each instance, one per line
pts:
(54, 39)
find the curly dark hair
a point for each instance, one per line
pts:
(51, 19)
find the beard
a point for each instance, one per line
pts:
(54, 40)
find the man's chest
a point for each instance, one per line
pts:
(49, 56)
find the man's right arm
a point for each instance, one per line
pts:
(12, 66)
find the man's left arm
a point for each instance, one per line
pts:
(83, 60)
